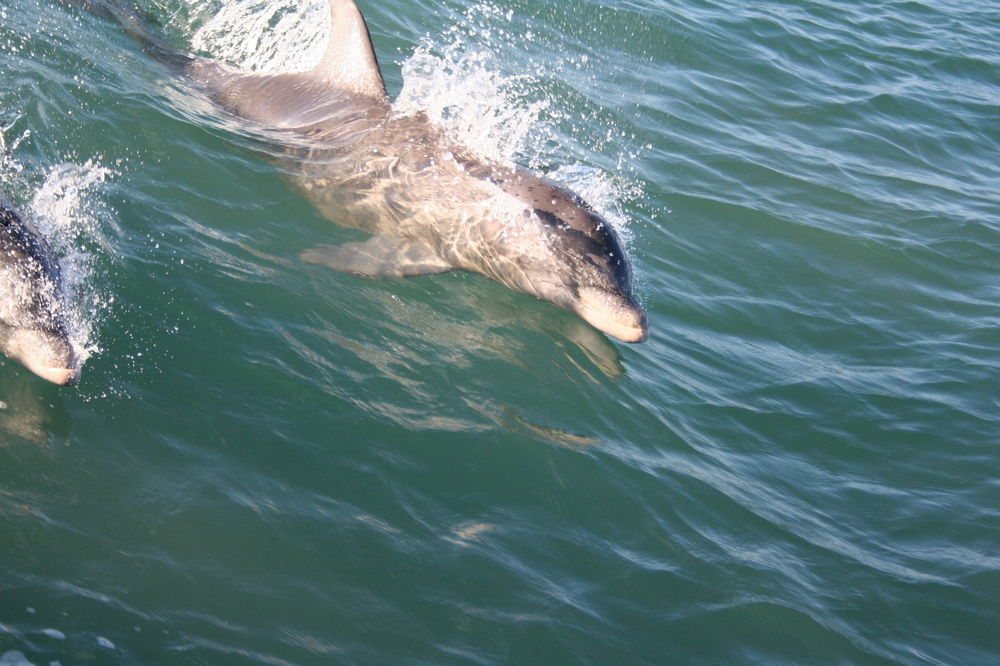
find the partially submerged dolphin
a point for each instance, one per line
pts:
(32, 328)
(430, 204)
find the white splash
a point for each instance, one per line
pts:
(478, 81)
(460, 89)
(265, 35)
(67, 211)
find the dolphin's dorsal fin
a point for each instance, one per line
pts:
(349, 61)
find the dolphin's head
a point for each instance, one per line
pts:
(46, 352)
(594, 276)
(585, 269)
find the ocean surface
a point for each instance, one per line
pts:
(269, 462)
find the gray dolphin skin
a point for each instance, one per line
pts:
(32, 329)
(430, 204)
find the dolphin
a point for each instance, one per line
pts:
(32, 328)
(430, 204)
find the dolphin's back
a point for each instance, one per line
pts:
(21, 245)
(29, 271)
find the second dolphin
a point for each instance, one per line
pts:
(32, 325)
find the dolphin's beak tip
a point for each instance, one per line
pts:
(635, 331)
(636, 335)
(621, 318)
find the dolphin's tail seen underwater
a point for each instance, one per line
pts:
(430, 204)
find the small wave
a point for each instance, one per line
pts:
(14, 658)
(8, 148)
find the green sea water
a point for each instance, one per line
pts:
(268, 462)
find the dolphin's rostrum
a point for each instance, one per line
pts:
(32, 328)
(430, 204)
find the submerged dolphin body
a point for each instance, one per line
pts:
(430, 205)
(32, 329)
